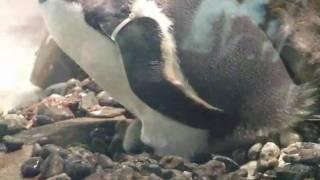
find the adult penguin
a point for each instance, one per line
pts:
(193, 71)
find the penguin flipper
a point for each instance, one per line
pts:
(140, 45)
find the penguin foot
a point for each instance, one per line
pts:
(132, 142)
(166, 136)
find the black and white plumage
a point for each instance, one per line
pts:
(186, 68)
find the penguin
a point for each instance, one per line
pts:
(195, 72)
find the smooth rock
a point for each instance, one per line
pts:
(49, 149)
(57, 112)
(43, 140)
(268, 158)
(62, 176)
(15, 123)
(172, 162)
(107, 112)
(64, 133)
(12, 143)
(289, 137)
(41, 120)
(152, 169)
(254, 151)
(88, 101)
(105, 99)
(58, 88)
(77, 168)
(91, 85)
(53, 165)
(172, 174)
(31, 167)
(104, 161)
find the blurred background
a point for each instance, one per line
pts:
(21, 31)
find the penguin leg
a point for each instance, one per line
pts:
(132, 142)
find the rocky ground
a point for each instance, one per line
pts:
(75, 132)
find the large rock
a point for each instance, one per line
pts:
(52, 65)
(67, 132)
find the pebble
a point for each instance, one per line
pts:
(268, 158)
(56, 112)
(289, 137)
(78, 168)
(12, 143)
(88, 101)
(31, 167)
(53, 165)
(211, 170)
(172, 162)
(105, 99)
(107, 112)
(172, 174)
(91, 85)
(58, 88)
(104, 161)
(254, 151)
(43, 141)
(73, 83)
(15, 123)
(41, 120)
(51, 149)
